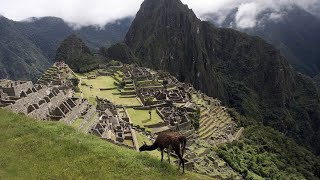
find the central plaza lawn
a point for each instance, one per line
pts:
(111, 95)
(141, 117)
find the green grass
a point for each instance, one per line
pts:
(87, 124)
(141, 117)
(49, 150)
(198, 100)
(157, 154)
(105, 82)
(141, 138)
(77, 123)
(101, 82)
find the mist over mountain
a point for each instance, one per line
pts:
(295, 33)
(30, 46)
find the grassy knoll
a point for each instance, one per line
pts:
(141, 117)
(48, 150)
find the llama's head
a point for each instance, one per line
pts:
(143, 147)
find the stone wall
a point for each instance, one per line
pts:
(16, 88)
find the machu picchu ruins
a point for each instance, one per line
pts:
(123, 103)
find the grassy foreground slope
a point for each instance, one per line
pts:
(31, 149)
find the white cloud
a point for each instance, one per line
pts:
(248, 12)
(276, 16)
(100, 12)
(246, 16)
(80, 12)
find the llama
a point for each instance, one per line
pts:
(168, 140)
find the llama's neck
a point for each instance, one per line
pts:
(152, 147)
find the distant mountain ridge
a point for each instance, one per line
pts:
(295, 33)
(28, 47)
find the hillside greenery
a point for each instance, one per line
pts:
(264, 153)
(33, 149)
(27, 48)
(19, 57)
(77, 55)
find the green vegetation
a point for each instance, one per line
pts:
(195, 118)
(91, 88)
(141, 117)
(77, 123)
(77, 55)
(50, 150)
(197, 100)
(141, 138)
(266, 153)
(119, 52)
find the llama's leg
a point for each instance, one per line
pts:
(168, 151)
(161, 155)
(180, 158)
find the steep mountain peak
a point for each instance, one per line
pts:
(76, 54)
(161, 16)
(245, 72)
(151, 4)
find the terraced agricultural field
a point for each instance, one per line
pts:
(197, 100)
(211, 121)
(91, 88)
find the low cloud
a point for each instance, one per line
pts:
(75, 12)
(248, 13)
(99, 12)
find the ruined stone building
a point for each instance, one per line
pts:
(176, 119)
(114, 125)
(41, 102)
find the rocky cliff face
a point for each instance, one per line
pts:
(244, 71)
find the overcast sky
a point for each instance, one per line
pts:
(100, 12)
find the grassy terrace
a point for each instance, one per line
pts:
(112, 95)
(50, 150)
(198, 100)
(141, 117)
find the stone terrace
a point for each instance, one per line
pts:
(58, 74)
(41, 102)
